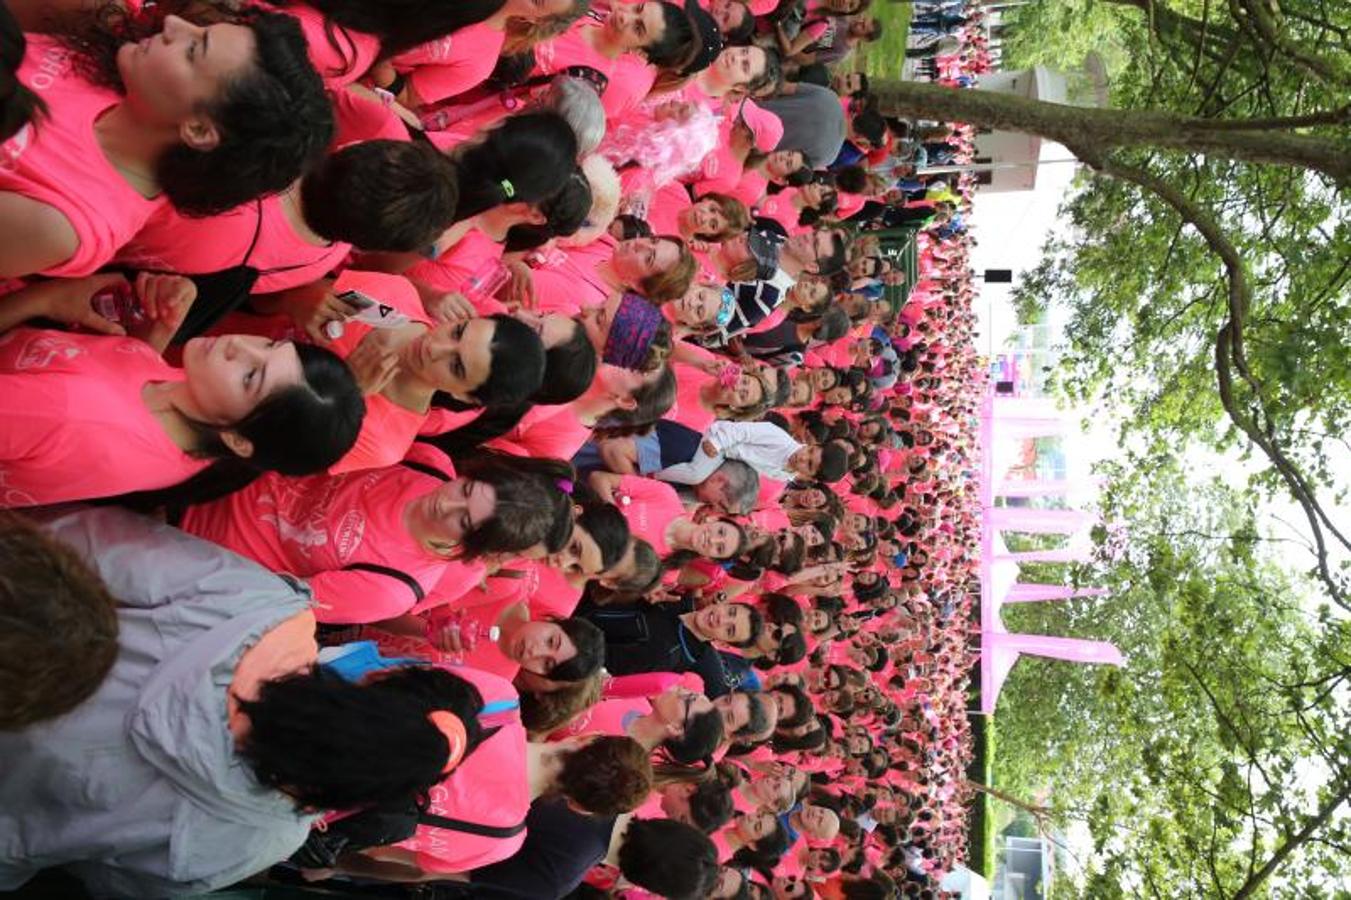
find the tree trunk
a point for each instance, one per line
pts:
(1037, 812)
(1092, 134)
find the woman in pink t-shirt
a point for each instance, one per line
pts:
(617, 398)
(348, 37)
(357, 197)
(446, 67)
(742, 169)
(409, 366)
(495, 786)
(76, 186)
(472, 248)
(607, 47)
(372, 544)
(457, 62)
(503, 636)
(656, 515)
(797, 209)
(712, 218)
(578, 278)
(648, 504)
(94, 416)
(681, 721)
(340, 55)
(701, 398)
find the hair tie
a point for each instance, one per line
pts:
(565, 485)
(456, 737)
(508, 188)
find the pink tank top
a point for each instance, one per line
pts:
(58, 161)
(452, 64)
(173, 242)
(339, 55)
(75, 426)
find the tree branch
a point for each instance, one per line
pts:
(1315, 822)
(1255, 15)
(1278, 123)
(1230, 358)
(1200, 45)
(1228, 722)
(1100, 131)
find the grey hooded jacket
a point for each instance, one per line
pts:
(139, 791)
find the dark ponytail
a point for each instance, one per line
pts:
(332, 744)
(564, 213)
(18, 105)
(605, 523)
(526, 159)
(404, 24)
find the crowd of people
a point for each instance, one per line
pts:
(485, 448)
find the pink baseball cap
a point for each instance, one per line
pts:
(764, 125)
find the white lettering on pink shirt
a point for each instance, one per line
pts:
(55, 65)
(301, 517)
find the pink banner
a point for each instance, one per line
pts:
(1036, 487)
(1024, 417)
(1000, 650)
(1063, 554)
(1071, 649)
(1038, 521)
(1031, 593)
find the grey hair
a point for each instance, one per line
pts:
(743, 484)
(578, 103)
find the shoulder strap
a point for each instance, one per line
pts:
(478, 828)
(397, 575)
(257, 230)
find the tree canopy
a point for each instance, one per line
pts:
(1204, 268)
(1207, 257)
(1217, 762)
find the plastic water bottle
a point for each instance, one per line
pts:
(486, 281)
(469, 635)
(119, 304)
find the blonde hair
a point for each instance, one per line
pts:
(522, 34)
(606, 193)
